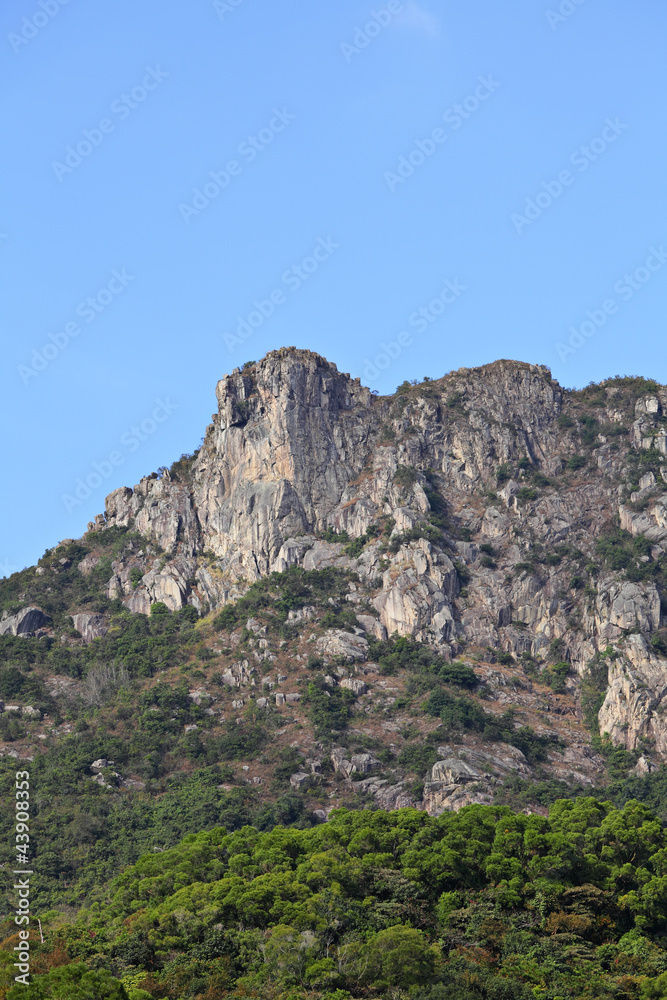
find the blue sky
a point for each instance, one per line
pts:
(179, 175)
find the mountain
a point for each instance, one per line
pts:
(452, 596)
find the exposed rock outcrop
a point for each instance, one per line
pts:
(471, 507)
(27, 621)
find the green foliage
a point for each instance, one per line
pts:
(641, 462)
(659, 642)
(460, 714)
(143, 645)
(621, 551)
(455, 403)
(417, 758)
(405, 653)
(459, 674)
(226, 619)
(438, 515)
(482, 903)
(576, 462)
(555, 676)
(61, 586)
(84, 835)
(329, 708)
(274, 596)
(593, 689)
(405, 477)
(159, 609)
(335, 536)
(239, 742)
(424, 529)
(590, 428)
(357, 545)
(181, 468)
(75, 982)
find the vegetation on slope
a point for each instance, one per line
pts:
(484, 903)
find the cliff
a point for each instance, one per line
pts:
(506, 524)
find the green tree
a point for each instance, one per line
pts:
(75, 982)
(399, 956)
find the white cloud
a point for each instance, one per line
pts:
(415, 17)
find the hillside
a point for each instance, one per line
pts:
(453, 596)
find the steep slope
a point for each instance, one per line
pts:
(435, 598)
(297, 449)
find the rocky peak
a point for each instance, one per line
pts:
(481, 510)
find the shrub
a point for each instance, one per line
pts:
(329, 709)
(555, 676)
(462, 572)
(417, 758)
(226, 619)
(405, 653)
(405, 476)
(659, 643)
(593, 689)
(458, 673)
(335, 536)
(158, 609)
(357, 545)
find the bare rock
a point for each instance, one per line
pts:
(386, 795)
(454, 772)
(360, 763)
(199, 696)
(622, 605)
(239, 674)
(100, 765)
(25, 622)
(372, 626)
(441, 797)
(417, 593)
(88, 563)
(355, 685)
(335, 642)
(636, 699)
(90, 626)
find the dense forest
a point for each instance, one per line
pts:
(483, 903)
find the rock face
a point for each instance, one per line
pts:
(25, 622)
(336, 642)
(636, 699)
(477, 502)
(90, 626)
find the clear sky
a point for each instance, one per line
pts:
(188, 185)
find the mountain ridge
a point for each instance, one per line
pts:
(490, 515)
